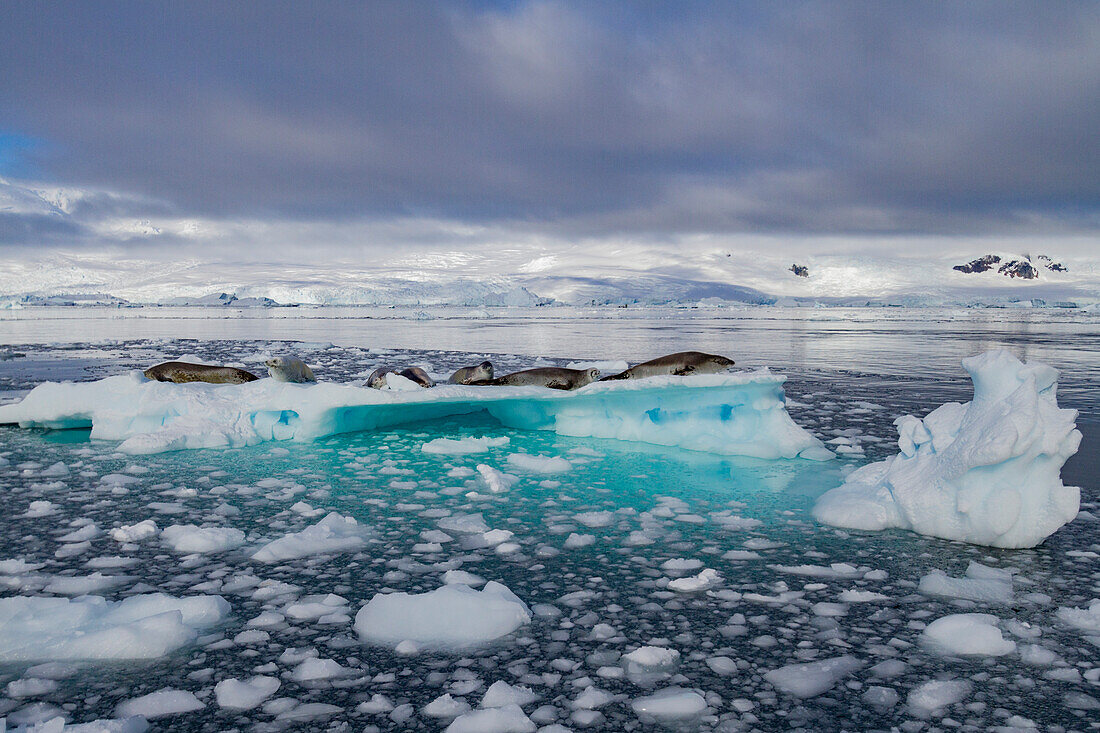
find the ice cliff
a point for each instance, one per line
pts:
(741, 414)
(987, 472)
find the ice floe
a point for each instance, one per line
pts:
(985, 472)
(333, 534)
(732, 414)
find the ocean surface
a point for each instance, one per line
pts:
(633, 508)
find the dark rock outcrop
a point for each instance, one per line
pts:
(982, 264)
(800, 270)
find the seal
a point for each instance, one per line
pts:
(483, 372)
(552, 377)
(680, 364)
(417, 375)
(181, 372)
(377, 378)
(289, 369)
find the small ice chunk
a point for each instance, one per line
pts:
(462, 446)
(813, 678)
(507, 719)
(188, 538)
(574, 540)
(681, 565)
(496, 481)
(160, 704)
(315, 669)
(974, 587)
(594, 520)
(461, 577)
(672, 703)
(452, 617)
(967, 634)
(649, 663)
(464, 524)
(538, 464)
(134, 532)
(1083, 619)
(708, 578)
(934, 695)
(445, 707)
(500, 693)
(235, 694)
(333, 534)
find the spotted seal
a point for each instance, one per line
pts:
(680, 364)
(181, 372)
(552, 377)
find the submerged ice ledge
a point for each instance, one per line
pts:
(741, 414)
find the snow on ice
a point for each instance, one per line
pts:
(985, 472)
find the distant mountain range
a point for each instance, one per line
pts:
(489, 278)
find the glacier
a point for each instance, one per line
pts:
(985, 472)
(736, 414)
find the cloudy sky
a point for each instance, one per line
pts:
(280, 130)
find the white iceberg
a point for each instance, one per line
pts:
(36, 629)
(741, 414)
(986, 472)
(452, 617)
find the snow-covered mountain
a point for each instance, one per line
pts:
(497, 276)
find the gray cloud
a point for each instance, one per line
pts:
(585, 119)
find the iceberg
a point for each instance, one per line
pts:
(739, 414)
(985, 472)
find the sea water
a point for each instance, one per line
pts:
(594, 548)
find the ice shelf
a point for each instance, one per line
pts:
(742, 414)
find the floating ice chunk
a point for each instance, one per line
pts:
(134, 532)
(451, 617)
(836, 570)
(160, 704)
(445, 707)
(976, 586)
(315, 670)
(462, 446)
(813, 678)
(19, 566)
(333, 534)
(731, 414)
(681, 565)
(650, 663)
(1083, 619)
(861, 596)
(464, 523)
(539, 464)
(496, 481)
(708, 578)
(596, 519)
(986, 472)
(91, 627)
(30, 687)
(669, 704)
(967, 634)
(456, 577)
(591, 698)
(500, 693)
(41, 508)
(235, 694)
(574, 540)
(935, 695)
(508, 719)
(66, 585)
(189, 538)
